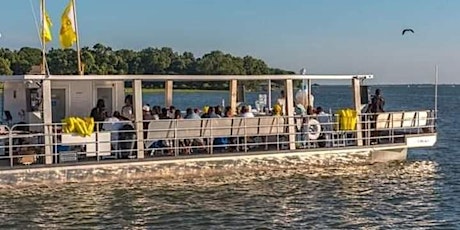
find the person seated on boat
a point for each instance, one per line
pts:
(191, 114)
(212, 113)
(219, 110)
(178, 114)
(171, 111)
(325, 120)
(164, 114)
(99, 114)
(282, 102)
(245, 112)
(300, 109)
(146, 117)
(156, 112)
(228, 111)
(113, 125)
(205, 112)
(277, 110)
(127, 109)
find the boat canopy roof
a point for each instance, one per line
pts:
(180, 77)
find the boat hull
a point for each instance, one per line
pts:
(192, 165)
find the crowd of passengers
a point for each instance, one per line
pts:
(120, 120)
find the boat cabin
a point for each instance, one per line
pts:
(22, 96)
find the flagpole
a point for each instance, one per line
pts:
(43, 69)
(80, 69)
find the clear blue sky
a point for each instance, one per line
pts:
(325, 36)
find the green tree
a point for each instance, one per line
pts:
(5, 67)
(100, 59)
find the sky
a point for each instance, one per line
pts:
(323, 36)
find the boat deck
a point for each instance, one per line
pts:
(214, 138)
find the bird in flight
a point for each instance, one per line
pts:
(407, 30)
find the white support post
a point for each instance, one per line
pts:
(138, 117)
(233, 95)
(357, 104)
(290, 113)
(168, 93)
(47, 121)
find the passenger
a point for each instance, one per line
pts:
(113, 125)
(146, 117)
(156, 113)
(377, 103)
(228, 111)
(326, 127)
(164, 114)
(127, 109)
(218, 110)
(178, 114)
(282, 102)
(171, 112)
(212, 113)
(245, 112)
(376, 106)
(99, 114)
(190, 114)
(189, 142)
(205, 112)
(300, 109)
(277, 110)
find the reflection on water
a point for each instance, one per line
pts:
(313, 192)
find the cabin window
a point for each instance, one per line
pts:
(33, 100)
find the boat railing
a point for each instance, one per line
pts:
(24, 144)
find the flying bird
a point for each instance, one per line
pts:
(407, 30)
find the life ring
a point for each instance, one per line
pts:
(313, 129)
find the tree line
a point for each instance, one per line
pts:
(103, 60)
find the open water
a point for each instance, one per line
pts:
(320, 192)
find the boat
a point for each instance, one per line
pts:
(37, 145)
(46, 137)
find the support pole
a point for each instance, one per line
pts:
(169, 93)
(47, 120)
(290, 113)
(80, 68)
(43, 19)
(233, 95)
(309, 101)
(270, 95)
(357, 104)
(138, 118)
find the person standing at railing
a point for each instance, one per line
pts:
(377, 103)
(376, 106)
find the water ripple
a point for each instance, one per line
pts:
(313, 193)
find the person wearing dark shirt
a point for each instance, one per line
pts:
(98, 113)
(377, 103)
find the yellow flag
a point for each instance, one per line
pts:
(68, 35)
(46, 30)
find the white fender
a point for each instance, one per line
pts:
(313, 129)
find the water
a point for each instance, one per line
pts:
(320, 192)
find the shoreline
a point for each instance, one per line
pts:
(149, 90)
